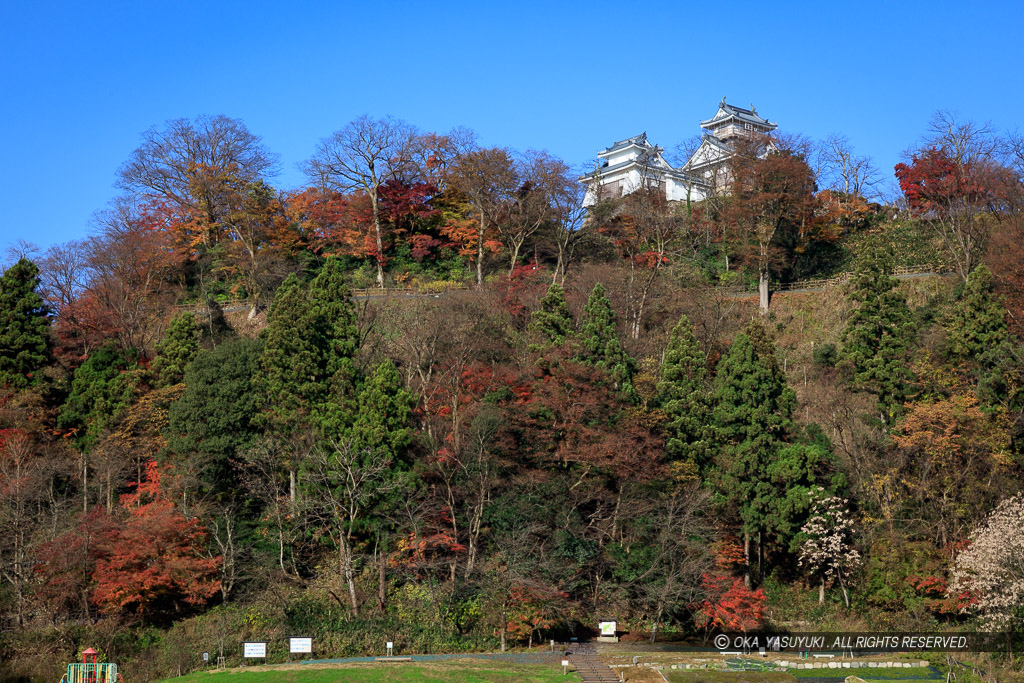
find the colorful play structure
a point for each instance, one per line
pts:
(91, 671)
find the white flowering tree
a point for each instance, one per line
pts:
(827, 553)
(989, 575)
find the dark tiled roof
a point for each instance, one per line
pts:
(658, 163)
(745, 115)
(639, 140)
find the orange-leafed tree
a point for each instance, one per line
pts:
(729, 604)
(133, 266)
(952, 460)
(156, 560)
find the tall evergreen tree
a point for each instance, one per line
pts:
(751, 420)
(553, 320)
(291, 368)
(23, 325)
(336, 333)
(682, 394)
(176, 350)
(977, 321)
(600, 341)
(877, 336)
(765, 465)
(100, 391)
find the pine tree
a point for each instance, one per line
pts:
(23, 326)
(877, 336)
(336, 333)
(600, 341)
(176, 350)
(291, 369)
(751, 419)
(553, 320)
(977, 321)
(100, 391)
(682, 394)
(381, 420)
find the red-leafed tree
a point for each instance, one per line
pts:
(532, 609)
(957, 199)
(65, 565)
(729, 604)
(572, 414)
(363, 157)
(772, 206)
(156, 559)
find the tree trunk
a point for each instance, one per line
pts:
(348, 571)
(821, 591)
(85, 483)
(378, 237)
(480, 253)
(382, 592)
(762, 289)
(280, 547)
(514, 259)
(504, 626)
(746, 556)
(291, 485)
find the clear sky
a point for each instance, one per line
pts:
(79, 81)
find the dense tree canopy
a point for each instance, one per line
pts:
(433, 398)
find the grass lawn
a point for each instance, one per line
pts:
(914, 675)
(456, 671)
(728, 677)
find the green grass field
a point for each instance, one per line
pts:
(728, 677)
(889, 675)
(455, 671)
(914, 675)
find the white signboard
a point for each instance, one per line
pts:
(254, 650)
(300, 646)
(607, 628)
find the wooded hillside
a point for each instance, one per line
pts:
(430, 398)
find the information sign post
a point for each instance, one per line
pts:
(300, 645)
(254, 650)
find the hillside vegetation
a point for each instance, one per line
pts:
(443, 405)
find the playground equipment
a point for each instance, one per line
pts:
(91, 671)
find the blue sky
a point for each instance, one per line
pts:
(81, 81)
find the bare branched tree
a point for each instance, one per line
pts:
(188, 162)
(488, 179)
(842, 170)
(346, 481)
(363, 156)
(964, 142)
